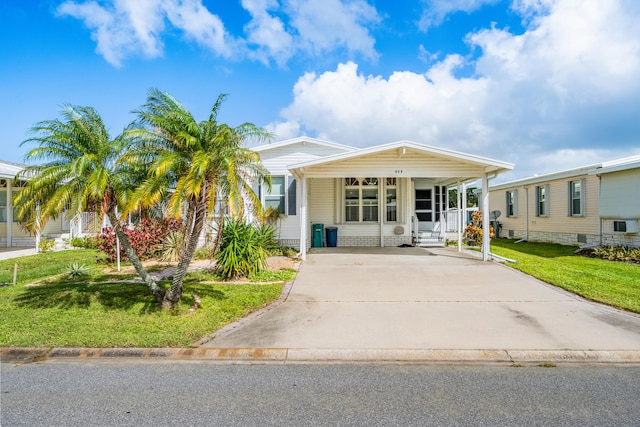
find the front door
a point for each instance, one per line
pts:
(423, 208)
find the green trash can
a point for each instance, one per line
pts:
(318, 235)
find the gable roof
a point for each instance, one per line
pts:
(303, 140)
(401, 148)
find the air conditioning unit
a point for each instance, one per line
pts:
(626, 226)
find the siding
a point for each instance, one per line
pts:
(558, 226)
(620, 195)
(278, 160)
(390, 164)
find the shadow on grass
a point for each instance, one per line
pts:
(110, 296)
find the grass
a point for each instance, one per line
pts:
(103, 311)
(609, 282)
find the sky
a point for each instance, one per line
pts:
(544, 84)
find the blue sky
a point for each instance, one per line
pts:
(545, 84)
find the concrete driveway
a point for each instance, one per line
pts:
(413, 298)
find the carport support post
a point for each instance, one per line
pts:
(460, 215)
(486, 225)
(303, 218)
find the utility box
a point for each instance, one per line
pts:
(318, 234)
(332, 237)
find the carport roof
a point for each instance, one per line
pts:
(402, 158)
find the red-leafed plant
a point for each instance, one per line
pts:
(146, 238)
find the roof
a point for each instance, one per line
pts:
(624, 163)
(302, 140)
(10, 169)
(491, 165)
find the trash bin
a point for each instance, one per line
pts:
(318, 231)
(496, 228)
(332, 237)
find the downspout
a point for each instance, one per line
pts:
(600, 217)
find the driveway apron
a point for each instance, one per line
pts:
(414, 298)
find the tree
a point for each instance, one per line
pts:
(197, 165)
(80, 173)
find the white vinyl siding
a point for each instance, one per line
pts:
(577, 197)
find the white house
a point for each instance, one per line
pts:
(385, 195)
(596, 204)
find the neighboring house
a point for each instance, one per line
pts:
(11, 233)
(386, 195)
(592, 205)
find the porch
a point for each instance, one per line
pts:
(391, 195)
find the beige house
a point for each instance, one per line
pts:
(591, 205)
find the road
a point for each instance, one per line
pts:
(203, 394)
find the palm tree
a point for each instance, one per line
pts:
(196, 164)
(80, 173)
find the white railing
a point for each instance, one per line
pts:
(86, 223)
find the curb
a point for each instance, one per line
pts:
(301, 355)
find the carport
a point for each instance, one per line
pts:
(382, 195)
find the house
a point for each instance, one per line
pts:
(11, 233)
(597, 204)
(385, 195)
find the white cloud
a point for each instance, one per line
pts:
(122, 28)
(313, 27)
(324, 25)
(268, 32)
(435, 11)
(565, 89)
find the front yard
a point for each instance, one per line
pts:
(109, 309)
(610, 282)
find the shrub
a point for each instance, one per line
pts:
(46, 245)
(617, 253)
(76, 271)
(243, 248)
(87, 242)
(146, 238)
(203, 252)
(473, 231)
(172, 246)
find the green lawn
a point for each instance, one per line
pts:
(103, 312)
(610, 282)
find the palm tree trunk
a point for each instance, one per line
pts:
(172, 296)
(157, 292)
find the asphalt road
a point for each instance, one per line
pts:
(190, 394)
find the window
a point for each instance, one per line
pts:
(282, 196)
(512, 203)
(3, 206)
(620, 226)
(275, 198)
(361, 200)
(576, 198)
(391, 200)
(542, 200)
